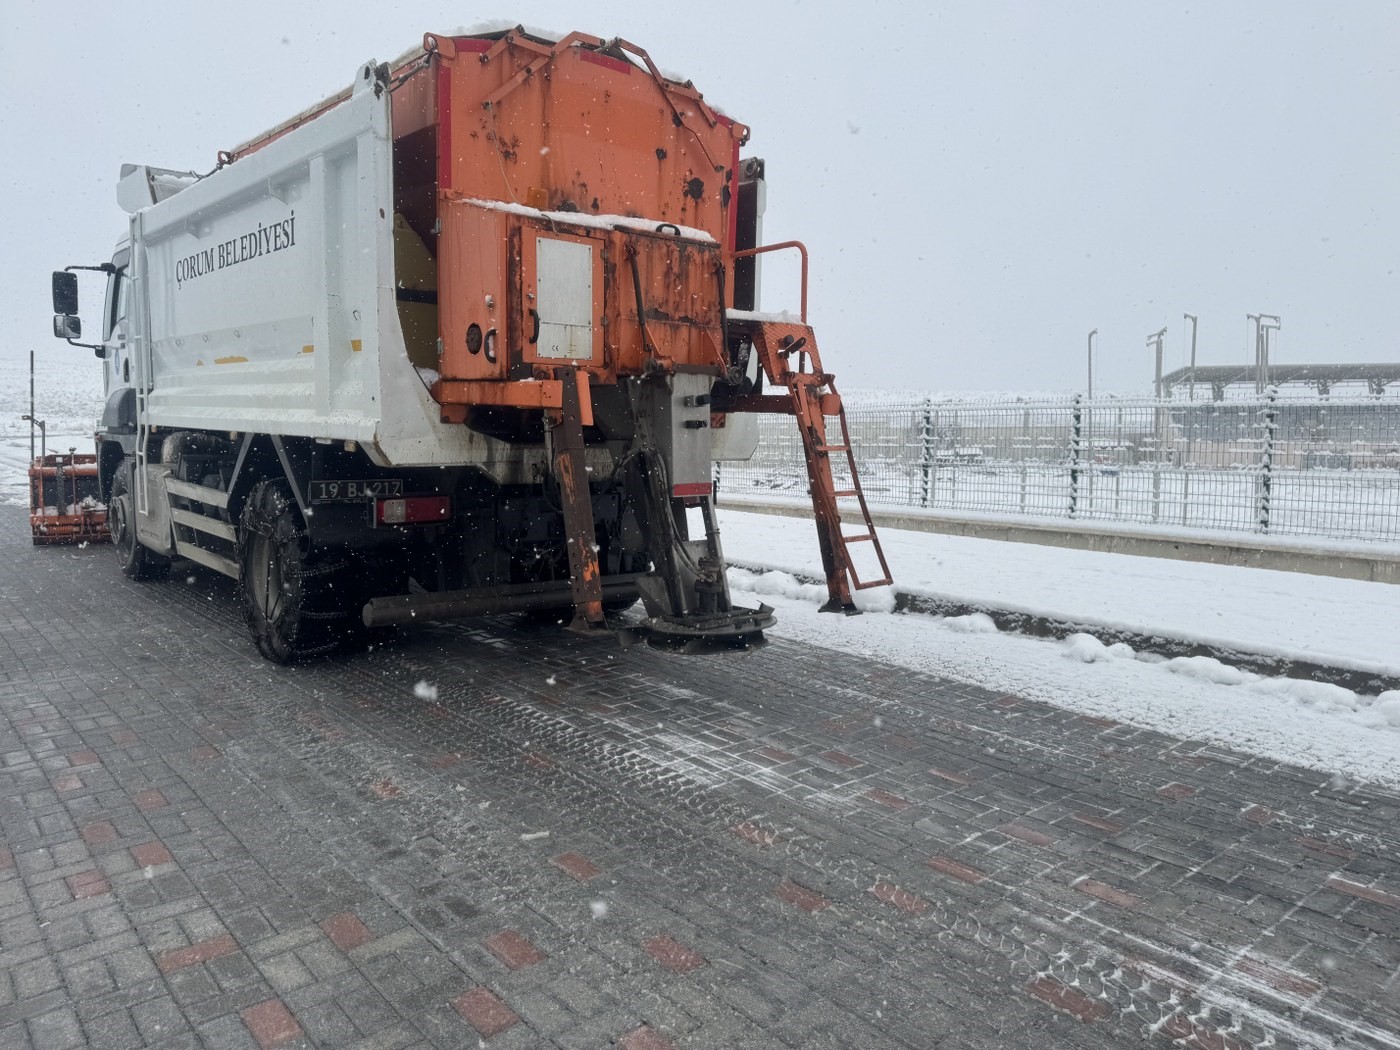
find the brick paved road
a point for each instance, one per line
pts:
(570, 845)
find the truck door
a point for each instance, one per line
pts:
(115, 329)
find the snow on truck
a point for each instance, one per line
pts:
(464, 339)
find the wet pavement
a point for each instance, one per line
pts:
(497, 833)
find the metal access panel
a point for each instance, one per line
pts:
(561, 313)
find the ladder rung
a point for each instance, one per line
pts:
(845, 493)
(874, 583)
(833, 448)
(858, 539)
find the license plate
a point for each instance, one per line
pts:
(354, 491)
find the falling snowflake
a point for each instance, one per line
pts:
(599, 909)
(425, 691)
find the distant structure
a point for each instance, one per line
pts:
(1245, 378)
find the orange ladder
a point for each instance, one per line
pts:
(812, 398)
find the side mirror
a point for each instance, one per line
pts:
(67, 326)
(65, 293)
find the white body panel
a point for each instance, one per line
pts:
(265, 299)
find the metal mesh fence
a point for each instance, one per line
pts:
(1319, 468)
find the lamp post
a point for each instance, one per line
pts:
(1159, 430)
(1192, 388)
(1093, 332)
(1267, 323)
(1155, 339)
(1263, 324)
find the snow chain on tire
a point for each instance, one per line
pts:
(308, 614)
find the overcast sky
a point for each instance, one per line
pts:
(979, 183)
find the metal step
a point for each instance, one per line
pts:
(212, 526)
(209, 559)
(869, 584)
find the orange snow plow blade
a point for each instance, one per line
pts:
(64, 504)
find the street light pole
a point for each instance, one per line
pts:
(1263, 323)
(1192, 319)
(1092, 333)
(1267, 323)
(1156, 339)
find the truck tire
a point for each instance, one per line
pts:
(295, 598)
(137, 562)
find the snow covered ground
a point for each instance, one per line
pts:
(1313, 724)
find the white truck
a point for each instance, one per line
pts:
(453, 342)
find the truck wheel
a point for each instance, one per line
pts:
(137, 562)
(294, 598)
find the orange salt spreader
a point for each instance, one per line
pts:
(595, 236)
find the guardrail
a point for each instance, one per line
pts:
(1322, 468)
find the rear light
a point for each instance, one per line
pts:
(412, 510)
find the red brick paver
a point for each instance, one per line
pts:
(774, 754)
(840, 758)
(150, 854)
(200, 951)
(1258, 815)
(1093, 820)
(950, 777)
(87, 884)
(759, 836)
(673, 955)
(1176, 792)
(888, 799)
(84, 758)
(385, 788)
(576, 865)
(271, 1023)
(1025, 834)
(1104, 892)
(1069, 1000)
(99, 833)
(150, 799)
(808, 900)
(485, 1011)
(1368, 893)
(514, 949)
(644, 1038)
(1094, 720)
(902, 899)
(1331, 849)
(1277, 977)
(958, 870)
(346, 931)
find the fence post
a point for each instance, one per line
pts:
(1075, 452)
(1266, 467)
(926, 456)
